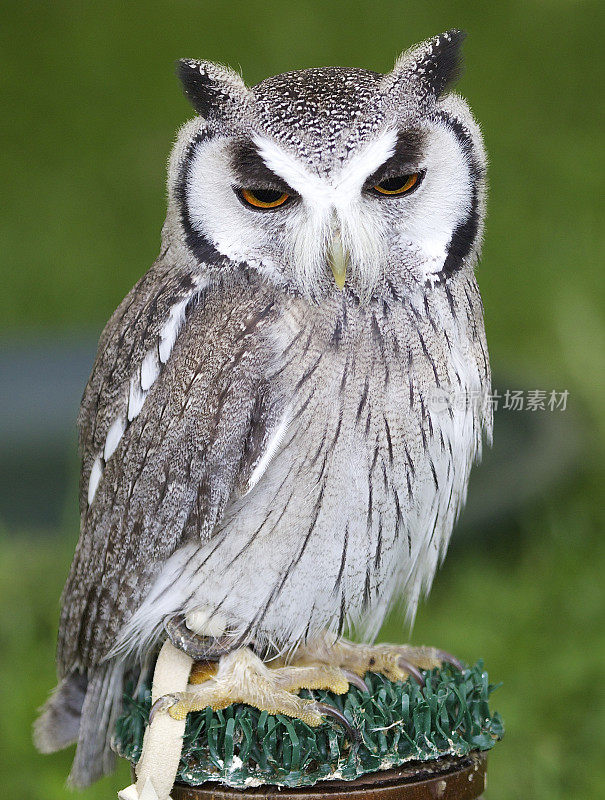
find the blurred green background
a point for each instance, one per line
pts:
(90, 108)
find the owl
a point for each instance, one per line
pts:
(278, 430)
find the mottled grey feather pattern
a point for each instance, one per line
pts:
(311, 109)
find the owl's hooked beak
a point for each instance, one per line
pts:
(338, 259)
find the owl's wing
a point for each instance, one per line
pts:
(133, 347)
(191, 446)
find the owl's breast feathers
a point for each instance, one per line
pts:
(200, 378)
(383, 411)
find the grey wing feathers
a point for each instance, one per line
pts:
(182, 457)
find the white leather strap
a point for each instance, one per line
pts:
(163, 739)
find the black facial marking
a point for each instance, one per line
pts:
(465, 232)
(201, 247)
(251, 170)
(405, 159)
(196, 85)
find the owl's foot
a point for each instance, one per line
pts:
(395, 662)
(242, 677)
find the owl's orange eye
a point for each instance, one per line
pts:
(399, 185)
(264, 198)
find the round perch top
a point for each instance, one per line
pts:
(398, 723)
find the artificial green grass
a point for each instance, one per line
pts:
(397, 722)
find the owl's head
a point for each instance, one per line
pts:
(331, 179)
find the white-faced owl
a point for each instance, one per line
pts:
(277, 434)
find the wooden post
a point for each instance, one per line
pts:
(443, 779)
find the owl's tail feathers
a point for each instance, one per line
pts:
(83, 710)
(59, 722)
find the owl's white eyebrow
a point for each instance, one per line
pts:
(308, 184)
(407, 154)
(287, 167)
(367, 161)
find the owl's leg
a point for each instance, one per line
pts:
(395, 662)
(242, 677)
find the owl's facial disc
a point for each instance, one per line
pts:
(388, 210)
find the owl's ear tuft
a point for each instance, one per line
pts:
(436, 62)
(212, 89)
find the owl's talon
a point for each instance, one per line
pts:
(162, 704)
(407, 666)
(331, 711)
(356, 680)
(443, 655)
